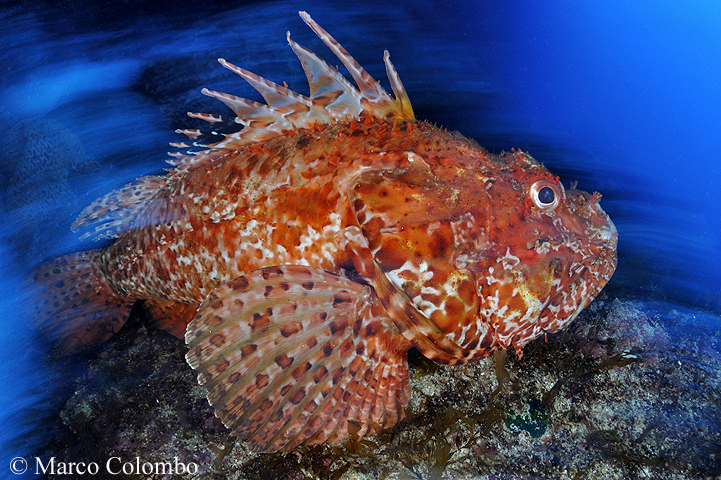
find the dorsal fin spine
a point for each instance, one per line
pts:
(367, 84)
(398, 90)
(243, 108)
(275, 95)
(205, 116)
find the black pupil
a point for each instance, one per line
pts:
(546, 195)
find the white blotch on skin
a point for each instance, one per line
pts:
(509, 261)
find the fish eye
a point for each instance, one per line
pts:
(545, 195)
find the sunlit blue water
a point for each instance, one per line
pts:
(623, 97)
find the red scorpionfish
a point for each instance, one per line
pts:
(304, 255)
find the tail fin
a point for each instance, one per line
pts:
(75, 306)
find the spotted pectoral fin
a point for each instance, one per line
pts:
(294, 355)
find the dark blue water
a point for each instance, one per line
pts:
(623, 97)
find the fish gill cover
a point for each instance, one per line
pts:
(591, 94)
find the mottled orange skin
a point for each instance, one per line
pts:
(278, 193)
(255, 207)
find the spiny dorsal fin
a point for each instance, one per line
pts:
(332, 98)
(398, 89)
(327, 86)
(278, 97)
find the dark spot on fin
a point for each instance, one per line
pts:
(284, 361)
(340, 298)
(271, 271)
(239, 283)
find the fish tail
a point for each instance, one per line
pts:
(74, 305)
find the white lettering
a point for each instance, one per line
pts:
(113, 466)
(65, 468)
(39, 466)
(179, 466)
(107, 465)
(160, 468)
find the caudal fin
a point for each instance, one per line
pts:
(74, 304)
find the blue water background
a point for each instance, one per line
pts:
(623, 97)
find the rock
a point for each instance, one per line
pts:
(612, 397)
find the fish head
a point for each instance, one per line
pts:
(549, 252)
(488, 251)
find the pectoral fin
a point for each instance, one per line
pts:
(292, 354)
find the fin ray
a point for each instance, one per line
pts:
(398, 89)
(327, 86)
(276, 96)
(367, 84)
(116, 211)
